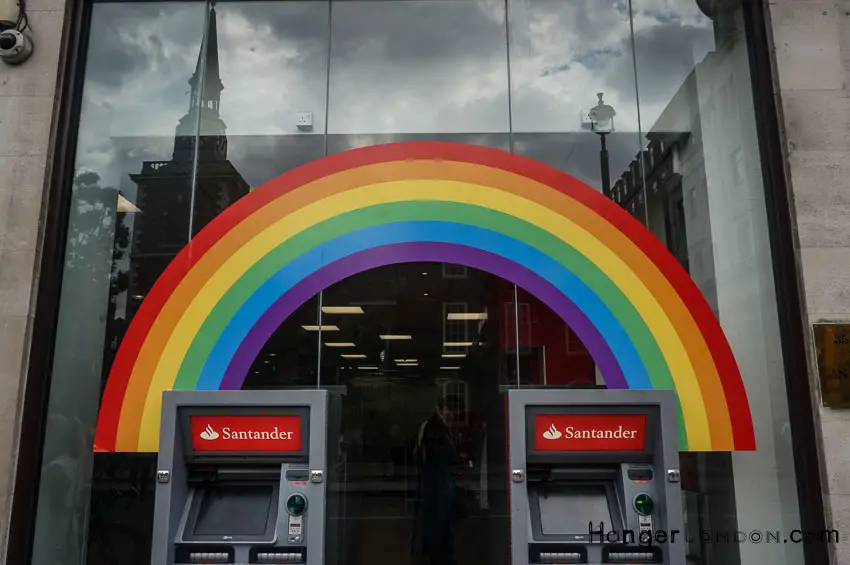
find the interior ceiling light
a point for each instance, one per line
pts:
(391, 337)
(338, 344)
(321, 328)
(450, 368)
(414, 364)
(368, 368)
(467, 316)
(342, 309)
(353, 356)
(400, 361)
(457, 344)
(454, 355)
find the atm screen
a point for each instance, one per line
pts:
(234, 510)
(570, 509)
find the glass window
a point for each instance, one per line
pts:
(402, 66)
(190, 106)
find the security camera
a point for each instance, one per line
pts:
(15, 47)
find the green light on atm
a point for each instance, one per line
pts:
(644, 504)
(296, 504)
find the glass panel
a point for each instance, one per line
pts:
(562, 55)
(409, 336)
(405, 66)
(143, 52)
(705, 201)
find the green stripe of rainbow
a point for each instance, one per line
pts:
(639, 312)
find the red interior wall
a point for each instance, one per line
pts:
(543, 328)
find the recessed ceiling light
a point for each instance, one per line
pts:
(390, 337)
(450, 368)
(454, 355)
(467, 316)
(414, 364)
(338, 344)
(321, 328)
(342, 309)
(272, 354)
(457, 344)
(368, 368)
(424, 294)
(424, 274)
(400, 361)
(353, 356)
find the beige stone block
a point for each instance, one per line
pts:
(808, 52)
(817, 120)
(12, 349)
(826, 275)
(38, 76)
(26, 176)
(25, 124)
(16, 275)
(5, 510)
(7, 454)
(821, 198)
(840, 506)
(6, 190)
(836, 449)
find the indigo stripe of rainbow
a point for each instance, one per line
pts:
(187, 275)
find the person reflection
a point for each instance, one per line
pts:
(438, 487)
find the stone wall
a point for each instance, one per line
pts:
(812, 46)
(27, 101)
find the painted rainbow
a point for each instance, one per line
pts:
(636, 310)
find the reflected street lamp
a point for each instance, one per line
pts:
(602, 123)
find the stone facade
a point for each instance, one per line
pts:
(812, 58)
(812, 53)
(27, 105)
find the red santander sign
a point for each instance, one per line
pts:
(246, 433)
(589, 432)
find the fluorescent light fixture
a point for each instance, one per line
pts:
(338, 344)
(342, 309)
(457, 344)
(367, 368)
(467, 316)
(450, 368)
(454, 355)
(321, 328)
(414, 364)
(353, 356)
(395, 337)
(400, 361)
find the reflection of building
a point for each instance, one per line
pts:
(165, 197)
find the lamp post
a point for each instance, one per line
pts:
(602, 123)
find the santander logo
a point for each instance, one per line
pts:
(552, 433)
(209, 434)
(589, 432)
(246, 433)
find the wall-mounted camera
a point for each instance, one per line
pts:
(15, 47)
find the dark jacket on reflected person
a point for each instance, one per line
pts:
(438, 491)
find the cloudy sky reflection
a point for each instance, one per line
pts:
(424, 68)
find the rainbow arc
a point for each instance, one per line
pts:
(625, 296)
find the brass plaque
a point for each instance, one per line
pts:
(832, 347)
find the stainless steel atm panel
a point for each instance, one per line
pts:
(594, 477)
(241, 478)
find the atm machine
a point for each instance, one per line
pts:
(241, 478)
(594, 477)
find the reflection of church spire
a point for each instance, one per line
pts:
(204, 104)
(212, 87)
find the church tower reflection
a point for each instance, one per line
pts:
(169, 206)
